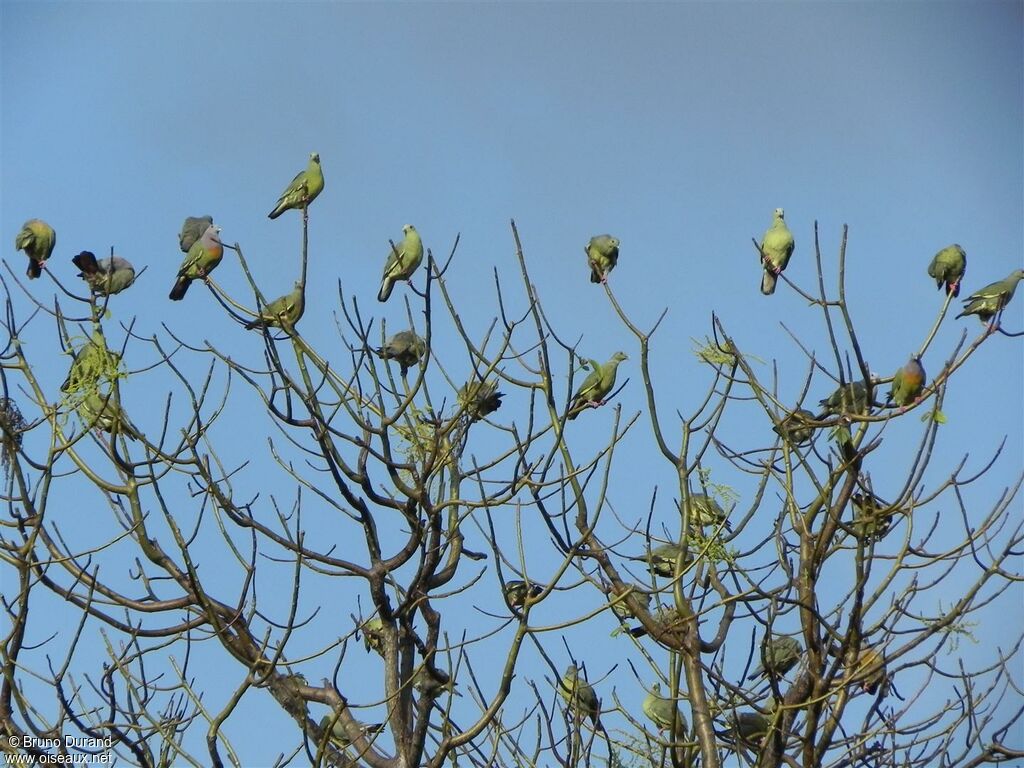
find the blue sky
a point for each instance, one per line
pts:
(677, 127)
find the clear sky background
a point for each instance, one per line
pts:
(676, 127)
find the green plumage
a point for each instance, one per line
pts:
(105, 277)
(94, 365)
(668, 619)
(283, 312)
(705, 511)
(872, 518)
(870, 670)
(479, 398)
(908, 383)
(202, 258)
(991, 299)
(849, 399)
(37, 239)
(781, 655)
(664, 713)
(602, 256)
(303, 189)
(433, 683)
(102, 410)
(403, 260)
(191, 230)
(795, 428)
(579, 695)
(749, 727)
(776, 247)
(516, 592)
(596, 386)
(374, 635)
(662, 559)
(948, 267)
(621, 608)
(405, 348)
(339, 735)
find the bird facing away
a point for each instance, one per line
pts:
(795, 428)
(303, 189)
(781, 654)
(991, 299)
(403, 260)
(405, 347)
(516, 592)
(776, 248)
(948, 267)
(104, 276)
(704, 511)
(602, 256)
(579, 695)
(663, 712)
(597, 385)
(908, 383)
(479, 398)
(37, 240)
(192, 229)
(283, 312)
(851, 398)
(202, 258)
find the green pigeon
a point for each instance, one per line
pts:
(663, 712)
(579, 695)
(751, 727)
(851, 398)
(192, 230)
(621, 608)
(599, 382)
(479, 398)
(776, 248)
(705, 511)
(339, 734)
(433, 684)
(991, 299)
(948, 266)
(602, 256)
(405, 347)
(781, 655)
(102, 410)
(666, 617)
(516, 592)
(794, 427)
(202, 258)
(872, 517)
(37, 240)
(870, 669)
(373, 635)
(303, 189)
(105, 276)
(403, 260)
(662, 559)
(908, 382)
(282, 312)
(93, 364)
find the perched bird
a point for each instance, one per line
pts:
(516, 592)
(776, 248)
(948, 266)
(621, 608)
(192, 230)
(102, 410)
(405, 347)
(851, 398)
(105, 276)
(872, 517)
(749, 727)
(663, 712)
(705, 511)
(991, 299)
(433, 683)
(795, 428)
(479, 398)
(94, 364)
(599, 382)
(579, 695)
(668, 619)
(403, 260)
(37, 240)
(781, 654)
(662, 559)
(282, 312)
(202, 258)
(303, 189)
(339, 734)
(373, 635)
(869, 669)
(908, 383)
(602, 256)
